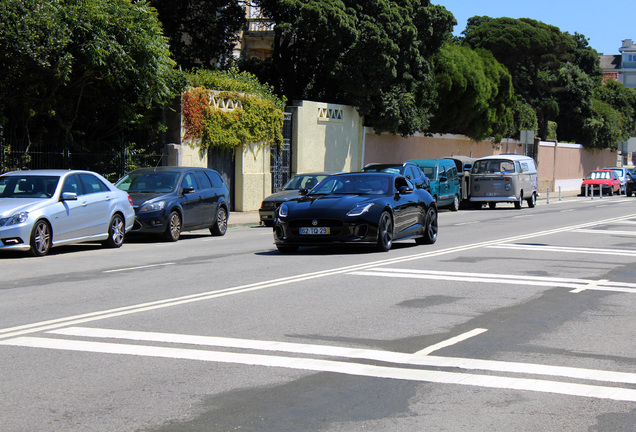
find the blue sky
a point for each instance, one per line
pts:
(604, 23)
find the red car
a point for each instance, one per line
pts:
(607, 180)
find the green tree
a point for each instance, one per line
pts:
(622, 99)
(475, 94)
(102, 68)
(535, 54)
(372, 54)
(202, 33)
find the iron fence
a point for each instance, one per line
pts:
(112, 162)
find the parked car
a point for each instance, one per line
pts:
(290, 190)
(630, 184)
(169, 200)
(621, 172)
(444, 181)
(605, 180)
(371, 209)
(504, 178)
(41, 209)
(464, 165)
(407, 169)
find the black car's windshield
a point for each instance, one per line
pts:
(28, 186)
(148, 182)
(383, 168)
(304, 181)
(354, 184)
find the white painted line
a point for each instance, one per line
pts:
(354, 353)
(592, 285)
(606, 232)
(542, 281)
(563, 249)
(451, 341)
(316, 365)
(138, 267)
(171, 302)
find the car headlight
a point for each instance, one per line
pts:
(14, 219)
(359, 209)
(152, 206)
(283, 210)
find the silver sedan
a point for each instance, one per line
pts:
(41, 209)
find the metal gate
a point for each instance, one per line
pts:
(280, 163)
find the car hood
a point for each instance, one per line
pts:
(283, 195)
(336, 203)
(11, 206)
(139, 198)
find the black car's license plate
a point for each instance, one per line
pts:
(314, 230)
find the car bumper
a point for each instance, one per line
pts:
(155, 222)
(354, 232)
(266, 215)
(16, 237)
(494, 199)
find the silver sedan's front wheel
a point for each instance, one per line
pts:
(40, 239)
(116, 232)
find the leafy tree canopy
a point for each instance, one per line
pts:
(372, 54)
(94, 68)
(202, 33)
(535, 54)
(475, 93)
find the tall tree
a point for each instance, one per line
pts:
(202, 33)
(93, 69)
(475, 93)
(373, 54)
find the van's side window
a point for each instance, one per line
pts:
(524, 166)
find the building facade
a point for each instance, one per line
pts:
(621, 67)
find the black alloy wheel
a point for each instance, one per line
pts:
(430, 233)
(385, 232)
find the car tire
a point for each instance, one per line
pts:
(268, 223)
(116, 232)
(385, 232)
(430, 232)
(455, 204)
(611, 191)
(628, 192)
(532, 201)
(519, 201)
(40, 239)
(173, 230)
(220, 223)
(285, 249)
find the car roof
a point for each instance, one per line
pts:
(328, 173)
(50, 172)
(169, 169)
(514, 157)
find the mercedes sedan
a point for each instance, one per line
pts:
(41, 209)
(372, 209)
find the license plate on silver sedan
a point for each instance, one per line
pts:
(314, 230)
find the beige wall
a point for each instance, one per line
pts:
(562, 166)
(326, 137)
(253, 180)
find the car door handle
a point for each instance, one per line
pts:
(85, 203)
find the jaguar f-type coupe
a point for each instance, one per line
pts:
(371, 209)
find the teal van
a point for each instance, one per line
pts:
(444, 178)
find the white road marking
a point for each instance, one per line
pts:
(451, 341)
(606, 232)
(353, 353)
(348, 368)
(171, 302)
(138, 267)
(592, 285)
(565, 249)
(575, 284)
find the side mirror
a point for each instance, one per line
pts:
(69, 196)
(303, 191)
(443, 179)
(187, 190)
(403, 190)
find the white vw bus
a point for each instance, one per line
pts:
(504, 178)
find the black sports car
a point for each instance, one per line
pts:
(358, 208)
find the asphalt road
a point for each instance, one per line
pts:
(514, 320)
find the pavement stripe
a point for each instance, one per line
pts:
(317, 365)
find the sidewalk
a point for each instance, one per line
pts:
(243, 219)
